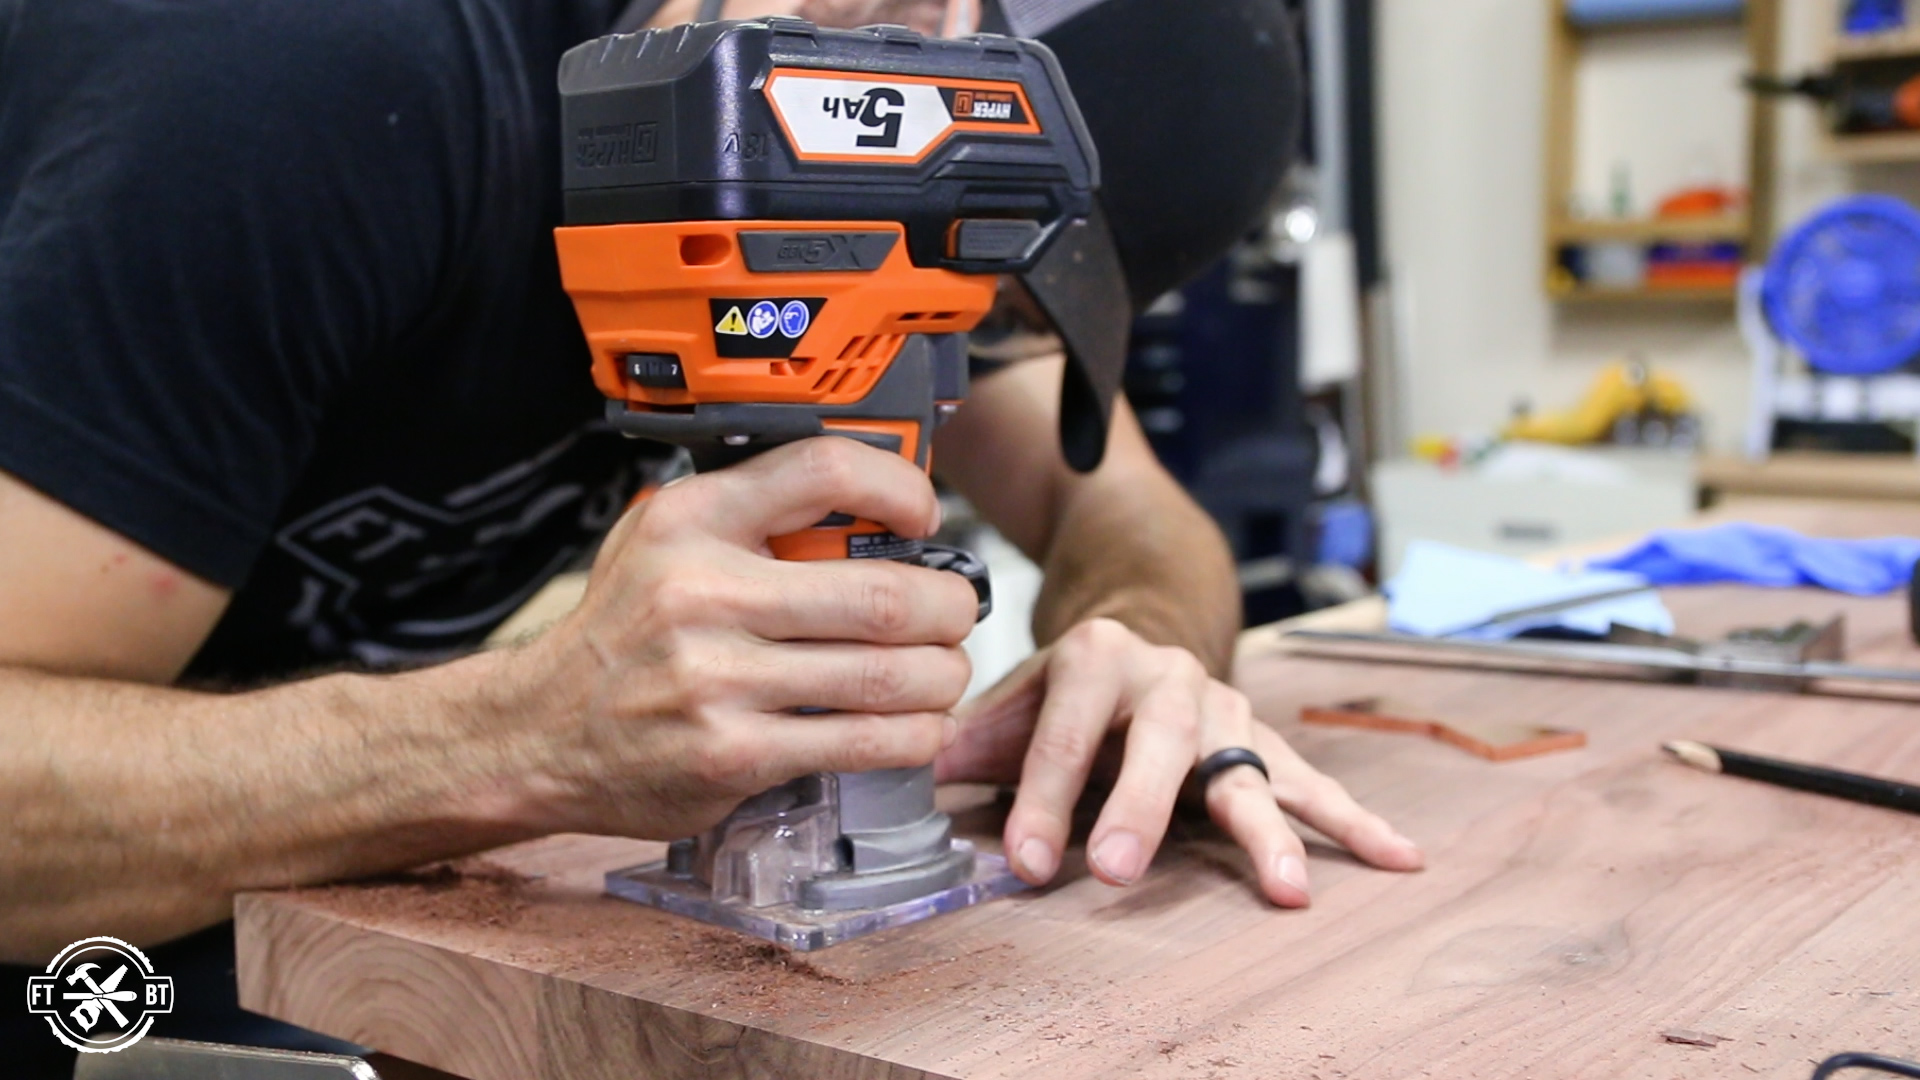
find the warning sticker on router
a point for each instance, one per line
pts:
(762, 329)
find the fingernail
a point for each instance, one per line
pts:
(1119, 857)
(1405, 843)
(949, 731)
(1294, 872)
(939, 515)
(1037, 858)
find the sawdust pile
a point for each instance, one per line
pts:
(712, 950)
(471, 892)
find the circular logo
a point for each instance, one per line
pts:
(762, 319)
(794, 318)
(100, 995)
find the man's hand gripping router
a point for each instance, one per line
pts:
(694, 646)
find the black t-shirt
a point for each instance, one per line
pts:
(279, 302)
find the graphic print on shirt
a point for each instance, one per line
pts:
(394, 579)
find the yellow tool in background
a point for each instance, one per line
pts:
(1624, 390)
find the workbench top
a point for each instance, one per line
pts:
(1814, 474)
(1576, 908)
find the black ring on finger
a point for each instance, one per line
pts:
(1221, 760)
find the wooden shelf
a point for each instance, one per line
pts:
(1732, 227)
(1628, 26)
(1734, 16)
(1880, 146)
(1902, 42)
(1591, 294)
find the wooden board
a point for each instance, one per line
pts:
(1577, 905)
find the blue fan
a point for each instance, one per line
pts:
(1844, 287)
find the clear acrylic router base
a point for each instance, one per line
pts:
(797, 928)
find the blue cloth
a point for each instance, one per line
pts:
(1765, 555)
(1346, 533)
(1443, 590)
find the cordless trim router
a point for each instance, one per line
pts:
(777, 231)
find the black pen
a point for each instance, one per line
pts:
(1841, 785)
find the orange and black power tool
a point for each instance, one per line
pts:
(777, 231)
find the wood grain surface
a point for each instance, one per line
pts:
(1576, 906)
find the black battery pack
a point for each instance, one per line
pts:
(974, 144)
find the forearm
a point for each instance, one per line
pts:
(1133, 547)
(1125, 542)
(142, 810)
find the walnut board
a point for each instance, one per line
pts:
(1576, 907)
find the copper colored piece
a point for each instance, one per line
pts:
(1495, 742)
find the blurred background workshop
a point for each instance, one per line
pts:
(1552, 273)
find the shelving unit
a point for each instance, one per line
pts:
(1888, 146)
(1752, 229)
(1866, 49)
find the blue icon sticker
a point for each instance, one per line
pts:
(760, 328)
(762, 320)
(794, 319)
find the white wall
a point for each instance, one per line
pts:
(1665, 102)
(1462, 85)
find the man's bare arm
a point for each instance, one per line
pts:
(65, 581)
(667, 698)
(1125, 542)
(140, 810)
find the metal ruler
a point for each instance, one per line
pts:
(1621, 655)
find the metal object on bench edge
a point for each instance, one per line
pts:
(179, 1059)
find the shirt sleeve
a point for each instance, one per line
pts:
(212, 216)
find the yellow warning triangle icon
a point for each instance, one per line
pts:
(732, 323)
